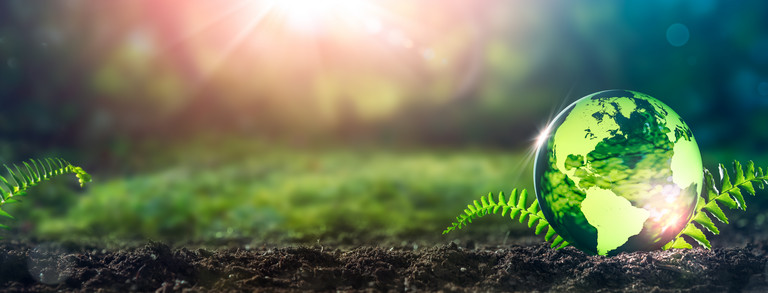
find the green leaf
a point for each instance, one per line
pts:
(706, 222)
(504, 210)
(550, 233)
(557, 241)
(523, 214)
(51, 169)
(531, 219)
(534, 208)
(39, 169)
(27, 181)
(750, 170)
(697, 235)
(727, 201)
(512, 196)
(522, 199)
(7, 185)
(726, 182)
(709, 185)
(5, 214)
(681, 243)
(540, 226)
(739, 198)
(739, 172)
(32, 173)
(715, 210)
(19, 183)
(747, 185)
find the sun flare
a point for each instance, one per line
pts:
(311, 14)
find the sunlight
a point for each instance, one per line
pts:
(542, 137)
(311, 14)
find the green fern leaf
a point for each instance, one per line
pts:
(514, 211)
(557, 241)
(511, 202)
(550, 232)
(709, 186)
(540, 226)
(739, 172)
(715, 210)
(727, 201)
(736, 194)
(725, 181)
(706, 222)
(516, 206)
(19, 183)
(5, 214)
(678, 243)
(32, 174)
(697, 235)
(504, 211)
(531, 219)
(522, 199)
(729, 194)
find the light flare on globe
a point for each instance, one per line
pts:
(618, 171)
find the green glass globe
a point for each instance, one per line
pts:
(617, 171)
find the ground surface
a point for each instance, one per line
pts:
(407, 267)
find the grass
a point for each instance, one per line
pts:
(219, 190)
(252, 190)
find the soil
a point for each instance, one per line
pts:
(450, 266)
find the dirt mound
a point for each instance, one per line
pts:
(157, 267)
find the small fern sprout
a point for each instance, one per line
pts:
(32, 172)
(515, 206)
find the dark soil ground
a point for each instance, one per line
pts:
(408, 267)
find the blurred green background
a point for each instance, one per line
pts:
(343, 120)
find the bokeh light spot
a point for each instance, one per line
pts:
(49, 264)
(678, 34)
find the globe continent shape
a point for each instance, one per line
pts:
(618, 171)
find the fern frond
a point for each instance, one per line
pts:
(515, 206)
(34, 172)
(729, 194)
